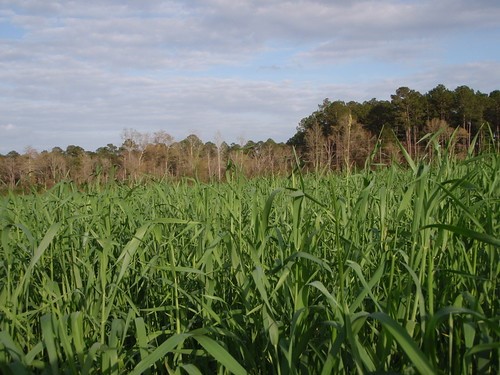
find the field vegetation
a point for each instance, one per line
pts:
(383, 269)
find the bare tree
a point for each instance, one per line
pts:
(315, 144)
(28, 167)
(134, 144)
(221, 148)
(163, 141)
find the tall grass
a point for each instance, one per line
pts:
(394, 270)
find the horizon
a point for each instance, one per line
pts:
(79, 73)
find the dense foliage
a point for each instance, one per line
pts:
(341, 134)
(337, 136)
(395, 269)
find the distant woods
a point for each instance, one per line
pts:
(141, 157)
(343, 135)
(337, 136)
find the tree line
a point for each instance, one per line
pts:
(140, 157)
(342, 135)
(338, 135)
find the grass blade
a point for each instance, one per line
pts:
(160, 352)
(416, 356)
(483, 237)
(220, 355)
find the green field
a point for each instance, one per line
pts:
(389, 270)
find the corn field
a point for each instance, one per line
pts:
(388, 270)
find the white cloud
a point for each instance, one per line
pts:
(83, 71)
(7, 127)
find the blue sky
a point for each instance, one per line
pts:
(80, 72)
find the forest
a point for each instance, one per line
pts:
(337, 136)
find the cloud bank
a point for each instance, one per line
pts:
(74, 72)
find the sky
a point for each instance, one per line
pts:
(80, 72)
